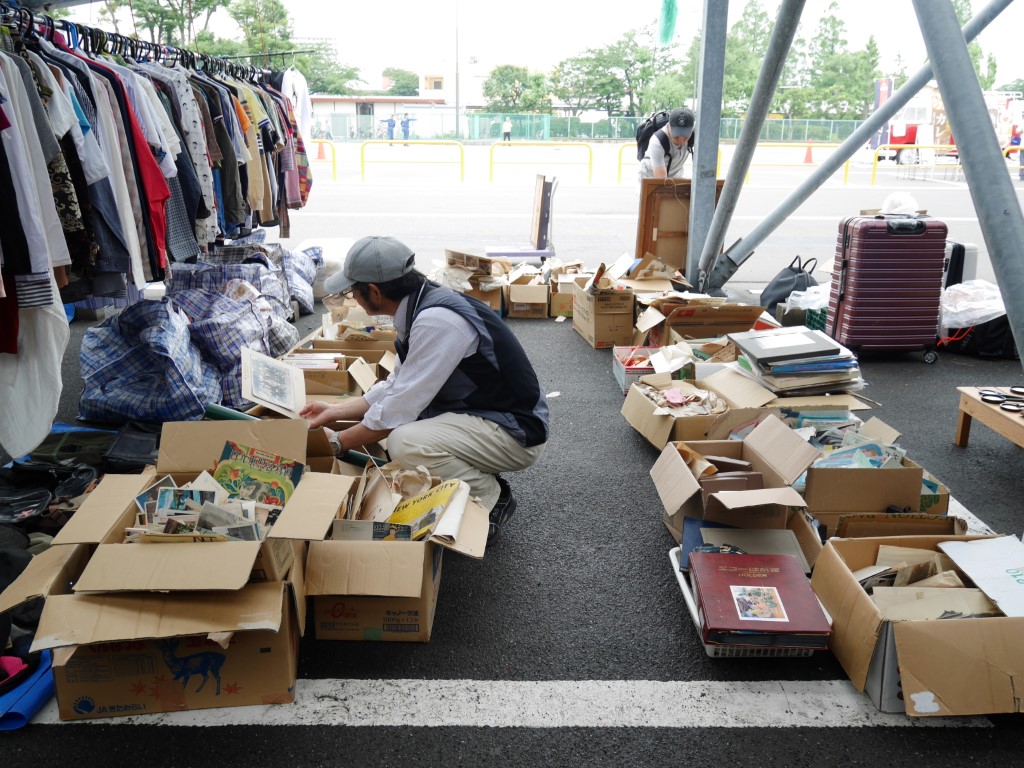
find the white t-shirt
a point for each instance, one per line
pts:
(655, 157)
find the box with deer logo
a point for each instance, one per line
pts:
(139, 653)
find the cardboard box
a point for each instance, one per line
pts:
(604, 318)
(491, 298)
(369, 590)
(186, 449)
(695, 320)
(835, 491)
(137, 653)
(528, 301)
(746, 398)
(626, 377)
(773, 449)
(374, 590)
(926, 668)
(562, 285)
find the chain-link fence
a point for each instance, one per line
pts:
(487, 127)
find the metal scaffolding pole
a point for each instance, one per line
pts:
(760, 102)
(734, 256)
(709, 122)
(995, 202)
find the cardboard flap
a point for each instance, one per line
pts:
(870, 524)
(317, 444)
(313, 507)
(472, 538)
(739, 390)
(764, 508)
(379, 568)
(297, 582)
(876, 429)
(362, 374)
(648, 319)
(190, 566)
(192, 446)
(673, 480)
(47, 572)
(69, 620)
(657, 285)
(856, 622)
(987, 674)
(388, 361)
(779, 447)
(104, 508)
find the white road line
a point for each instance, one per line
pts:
(558, 704)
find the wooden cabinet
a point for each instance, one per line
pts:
(664, 219)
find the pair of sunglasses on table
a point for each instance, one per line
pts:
(1012, 402)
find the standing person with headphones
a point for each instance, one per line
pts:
(666, 153)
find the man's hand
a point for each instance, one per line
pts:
(318, 412)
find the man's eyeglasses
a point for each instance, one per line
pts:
(349, 294)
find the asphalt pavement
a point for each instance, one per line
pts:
(573, 621)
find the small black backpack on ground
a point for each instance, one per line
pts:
(796, 277)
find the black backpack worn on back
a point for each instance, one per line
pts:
(650, 127)
(647, 129)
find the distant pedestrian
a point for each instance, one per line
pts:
(1015, 142)
(389, 124)
(506, 130)
(406, 122)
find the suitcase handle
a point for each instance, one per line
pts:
(905, 226)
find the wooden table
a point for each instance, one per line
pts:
(1008, 424)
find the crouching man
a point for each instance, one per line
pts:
(463, 401)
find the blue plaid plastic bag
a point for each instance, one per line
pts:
(220, 327)
(269, 281)
(141, 365)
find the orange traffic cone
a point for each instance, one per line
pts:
(807, 155)
(320, 154)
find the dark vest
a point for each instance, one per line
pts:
(496, 382)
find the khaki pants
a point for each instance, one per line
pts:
(457, 446)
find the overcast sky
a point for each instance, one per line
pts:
(420, 34)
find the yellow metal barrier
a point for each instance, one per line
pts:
(915, 147)
(548, 144)
(320, 144)
(405, 158)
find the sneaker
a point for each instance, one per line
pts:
(502, 512)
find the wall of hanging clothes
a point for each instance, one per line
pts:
(119, 158)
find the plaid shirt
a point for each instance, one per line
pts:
(141, 365)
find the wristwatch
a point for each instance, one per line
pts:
(335, 441)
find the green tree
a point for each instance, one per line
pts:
(265, 24)
(634, 61)
(746, 44)
(577, 81)
(510, 88)
(174, 22)
(403, 82)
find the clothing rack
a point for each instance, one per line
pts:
(92, 39)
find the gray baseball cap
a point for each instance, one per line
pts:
(372, 260)
(680, 122)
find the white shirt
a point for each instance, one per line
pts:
(438, 341)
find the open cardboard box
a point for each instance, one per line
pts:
(835, 491)
(773, 449)
(370, 590)
(186, 450)
(695, 319)
(140, 652)
(528, 301)
(746, 398)
(562, 292)
(604, 317)
(926, 668)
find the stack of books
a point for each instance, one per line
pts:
(796, 360)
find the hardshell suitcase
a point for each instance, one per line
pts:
(887, 283)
